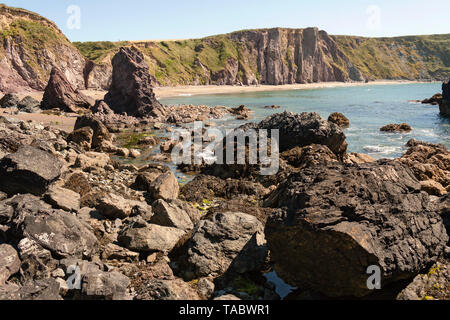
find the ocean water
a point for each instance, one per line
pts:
(367, 107)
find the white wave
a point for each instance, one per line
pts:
(185, 95)
(381, 149)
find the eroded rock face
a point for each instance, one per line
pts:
(131, 88)
(337, 220)
(227, 242)
(60, 94)
(403, 127)
(29, 170)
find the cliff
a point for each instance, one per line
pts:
(30, 46)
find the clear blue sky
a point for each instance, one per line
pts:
(179, 19)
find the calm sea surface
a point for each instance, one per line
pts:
(367, 107)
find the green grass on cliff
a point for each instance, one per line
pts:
(412, 57)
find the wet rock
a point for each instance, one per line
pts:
(299, 130)
(61, 198)
(9, 262)
(339, 119)
(170, 215)
(164, 187)
(29, 170)
(403, 127)
(131, 88)
(337, 220)
(144, 237)
(59, 94)
(9, 100)
(230, 242)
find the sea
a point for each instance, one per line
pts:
(367, 107)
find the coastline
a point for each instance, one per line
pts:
(171, 92)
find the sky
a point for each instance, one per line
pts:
(114, 20)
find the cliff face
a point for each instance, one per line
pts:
(30, 46)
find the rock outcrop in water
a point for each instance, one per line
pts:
(131, 88)
(444, 106)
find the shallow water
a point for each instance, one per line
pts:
(367, 107)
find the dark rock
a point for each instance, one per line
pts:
(29, 170)
(131, 88)
(446, 90)
(403, 127)
(79, 183)
(28, 104)
(226, 242)
(339, 119)
(59, 94)
(434, 100)
(444, 106)
(299, 130)
(337, 220)
(37, 262)
(82, 137)
(9, 100)
(309, 156)
(241, 112)
(105, 285)
(101, 133)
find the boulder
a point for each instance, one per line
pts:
(403, 127)
(337, 220)
(28, 104)
(313, 155)
(433, 188)
(100, 132)
(144, 237)
(58, 231)
(339, 119)
(79, 183)
(91, 160)
(299, 130)
(97, 285)
(164, 187)
(156, 289)
(40, 290)
(230, 242)
(29, 170)
(61, 198)
(114, 252)
(170, 215)
(82, 137)
(9, 262)
(131, 88)
(37, 262)
(114, 206)
(446, 90)
(241, 112)
(59, 94)
(9, 100)
(444, 106)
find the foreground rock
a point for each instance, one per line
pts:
(101, 138)
(404, 127)
(9, 100)
(339, 119)
(29, 170)
(9, 262)
(59, 94)
(227, 242)
(337, 220)
(131, 88)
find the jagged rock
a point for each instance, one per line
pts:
(9, 262)
(430, 286)
(339, 119)
(59, 94)
(58, 231)
(144, 237)
(29, 170)
(100, 132)
(82, 137)
(299, 130)
(79, 183)
(428, 161)
(105, 285)
(114, 252)
(446, 90)
(337, 220)
(131, 88)
(433, 188)
(241, 112)
(403, 127)
(309, 156)
(230, 242)
(28, 104)
(46, 290)
(90, 160)
(114, 206)
(358, 158)
(444, 106)
(177, 289)
(9, 100)
(37, 262)
(170, 215)
(434, 100)
(164, 187)
(64, 199)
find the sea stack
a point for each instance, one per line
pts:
(131, 88)
(444, 106)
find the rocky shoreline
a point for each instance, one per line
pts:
(78, 221)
